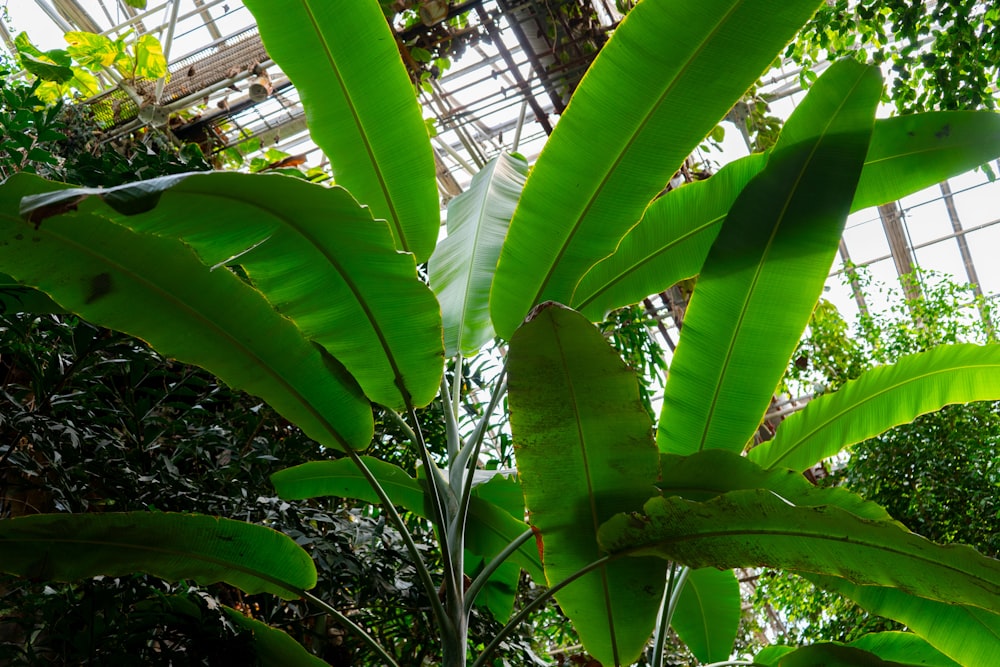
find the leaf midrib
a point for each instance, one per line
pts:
(792, 193)
(198, 316)
(291, 224)
(822, 425)
(681, 72)
(383, 185)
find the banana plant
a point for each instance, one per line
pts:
(313, 298)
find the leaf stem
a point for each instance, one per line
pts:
(491, 567)
(352, 626)
(538, 602)
(411, 547)
(675, 584)
(452, 434)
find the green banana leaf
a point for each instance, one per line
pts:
(880, 399)
(360, 107)
(584, 452)
(767, 267)
(885, 649)
(967, 634)
(489, 530)
(713, 472)
(207, 549)
(655, 90)
(158, 290)
(342, 479)
(670, 243)
(462, 266)
(708, 613)
(759, 528)
(274, 647)
(16, 298)
(913, 152)
(317, 256)
(497, 500)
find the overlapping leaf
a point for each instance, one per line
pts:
(316, 255)
(883, 649)
(17, 298)
(880, 399)
(670, 243)
(462, 266)
(360, 106)
(708, 613)
(207, 549)
(713, 472)
(490, 527)
(273, 647)
(969, 635)
(584, 452)
(157, 289)
(759, 528)
(655, 90)
(767, 267)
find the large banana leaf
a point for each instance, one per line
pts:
(656, 89)
(158, 290)
(462, 266)
(759, 528)
(708, 613)
(360, 107)
(712, 472)
(884, 649)
(274, 647)
(584, 452)
(317, 256)
(767, 267)
(490, 527)
(880, 399)
(207, 549)
(967, 634)
(670, 243)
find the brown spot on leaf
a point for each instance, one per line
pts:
(944, 131)
(58, 208)
(538, 543)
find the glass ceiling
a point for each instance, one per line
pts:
(501, 94)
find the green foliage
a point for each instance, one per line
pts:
(942, 55)
(58, 142)
(74, 70)
(937, 475)
(324, 311)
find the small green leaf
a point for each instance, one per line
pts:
(274, 647)
(461, 268)
(708, 613)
